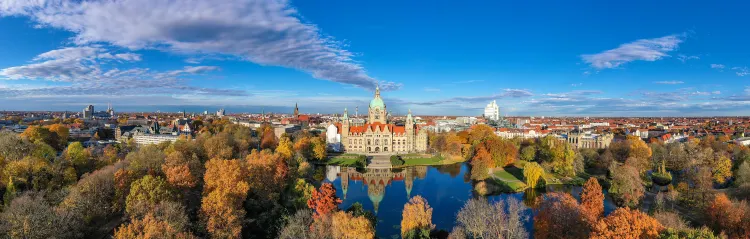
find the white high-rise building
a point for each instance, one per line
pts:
(88, 112)
(492, 111)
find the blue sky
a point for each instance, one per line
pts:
(544, 58)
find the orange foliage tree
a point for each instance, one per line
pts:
(732, 218)
(479, 132)
(592, 201)
(481, 163)
(149, 227)
(559, 216)
(323, 201)
(345, 225)
(268, 141)
(627, 223)
(182, 171)
(503, 151)
(267, 174)
(224, 192)
(416, 219)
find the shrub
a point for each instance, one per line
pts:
(396, 160)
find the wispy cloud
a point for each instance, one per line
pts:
(265, 32)
(643, 50)
(673, 82)
(505, 93)
(719, 67)
(428, 89)
(93, 71)
(683, 58)
(741, 71)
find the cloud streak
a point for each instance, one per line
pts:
(264, 32)
(640, 50)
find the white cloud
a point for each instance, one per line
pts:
(673, 82)
(741, 71)
(265, 32)
(93, 71)
(643, 50)
(683, 58)
(719, 67)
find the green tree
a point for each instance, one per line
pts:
(146, 193)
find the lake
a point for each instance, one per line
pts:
(446, 188)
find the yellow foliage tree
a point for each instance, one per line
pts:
(345, 225)
(416, 218)
(532, 172)
(285, 148)
(149, 227)
(224, 192)
(722, 169)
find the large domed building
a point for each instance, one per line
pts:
(378, 135)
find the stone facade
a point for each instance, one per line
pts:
(378, 135)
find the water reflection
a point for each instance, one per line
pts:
(446, 188)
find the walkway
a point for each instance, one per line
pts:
(379, 161)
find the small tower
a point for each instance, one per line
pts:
(410, 136)
(296, 111)
(345, 130)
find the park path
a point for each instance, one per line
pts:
(379, 161)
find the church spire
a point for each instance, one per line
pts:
(377, 91)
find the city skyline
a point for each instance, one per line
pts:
(595, 59)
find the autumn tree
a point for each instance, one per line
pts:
(146, 194)
(319, 148)
(346, 225)
(13, 147)
(532, 172)
(79, 157)
(297, 226)
(219, 146)
(742, 175)
(149, 227)
(481, 163)
(267, 175)
(62, 134)
(323, 201)
(559, 216)
(182, 171)
(480, 219)
(503, 152)
(627, 223)
(31, 216)
(146, 160)
(224, 191)
(268, 140)
(528, 153)
(592, 201)
(627, 185)
(285, 148)
(302, 147)
(416, 219)
(479, 132)
(38, 133)
(731, 218)
(722, 169)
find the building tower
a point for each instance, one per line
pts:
(345, 130)
(377, 111)
(296, 111)
(410, 135)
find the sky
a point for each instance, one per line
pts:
(535, 58)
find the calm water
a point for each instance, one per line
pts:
(446, 188)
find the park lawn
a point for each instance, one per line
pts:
(423, 161)
(505, 178)
(343, 160)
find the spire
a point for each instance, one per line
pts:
(346, 114)
(377, 91)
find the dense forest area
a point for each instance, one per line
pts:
(232, 182)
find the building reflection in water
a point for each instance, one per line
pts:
(376, 179)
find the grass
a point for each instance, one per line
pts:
(421, 160)
(508, 179)
(344, 160)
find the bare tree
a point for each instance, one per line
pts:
(503, 219)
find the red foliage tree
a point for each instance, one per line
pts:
(559, 216)
(323, 201)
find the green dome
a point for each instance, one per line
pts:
(377, 103)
